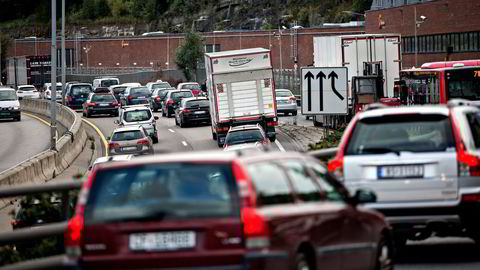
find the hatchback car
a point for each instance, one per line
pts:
(9, 104)
(286, 102)
(118, 91)
(158, 85)
(100, 103)
(48, 91)
(422, 162)
(172, 100)
(251, 135)
(131, 140)
(158, 97)
(135, 95)
(192, 110)
(139, 115)
(27, 91)
(192, 86)
(77, 94)
(217, 210)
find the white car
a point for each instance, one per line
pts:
(105, 82)
(192, 86)
(101, 160)
(48, 91)
(9, 105)
(27, 91)
(158, 85)
(132, 84)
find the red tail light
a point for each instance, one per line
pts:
(157, 99)
(113, 145)
(73, 236)
(114, 103)
(471, 198)
(255, 229)
(169, 101)
(222, 129)
(144, 141)
(91, 104)
(272, 124)
(335, 166)
(187, 110)
(130, 97)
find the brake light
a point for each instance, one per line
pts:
(187, 110)
(272, 124)
(91, 104)
(292, 100)
(335, 166)
(114, 103)
(113, 145)
(471, 198)
(130, 97)
(169, 102)
(222, 129)
(255, 229)
(73, 236)
(144, 142)
(157, 99)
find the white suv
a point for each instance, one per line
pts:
(422, 162)
(139, 115)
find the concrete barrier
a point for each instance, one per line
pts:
(46, 165)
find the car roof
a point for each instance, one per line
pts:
(194, 98)
(128, 128)
(185, 83)
(77, 84)
(282, 89)
(26, 85)
(112, 158)
(427, 109)
(245, 127)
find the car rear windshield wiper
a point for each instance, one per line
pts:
(378, 150)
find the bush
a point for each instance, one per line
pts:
(331, 141)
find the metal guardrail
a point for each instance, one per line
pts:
(52, 229)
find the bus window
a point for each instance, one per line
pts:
(423, 88)
(463, 83)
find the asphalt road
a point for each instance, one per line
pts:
(22, 140)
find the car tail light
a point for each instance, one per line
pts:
(114, 103)
(130, 97)
(169, 101)
(187, 110)
(335, 166)
(143, 141)
(91, 104)
(471, 198)
(157, 99)
(73, 236)
(272, 124)
(255, 229)
(113, 145)
(292, 100)
(222, 129)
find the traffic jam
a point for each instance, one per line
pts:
(406, 168)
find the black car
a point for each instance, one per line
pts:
(100, 103)
(192, 110)
(118, 91)
(135, 96)
(158, 97)
(77, 94)
(172, 100)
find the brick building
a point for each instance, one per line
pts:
(159, 51)
(451, 30)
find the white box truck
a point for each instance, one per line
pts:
(241, 91)
(367, 55)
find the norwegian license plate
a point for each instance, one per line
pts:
(142, 97)
(162, 241)
(103, 105)
(129, 148)
(4, 113)
(401, 171)
(199, 112)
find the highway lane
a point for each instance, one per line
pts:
(22, 140)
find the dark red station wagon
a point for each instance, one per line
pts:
(217, 210)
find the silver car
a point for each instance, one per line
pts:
(130, 140)
(423, 164)
(286, 102)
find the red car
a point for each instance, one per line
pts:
(224, 210)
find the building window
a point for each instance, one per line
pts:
(212, 48)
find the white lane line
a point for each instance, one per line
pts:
(171, 130)
(280, 146)
(184, 143)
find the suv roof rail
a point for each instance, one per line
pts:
(136, 106)
(375, 106)
(459, 102)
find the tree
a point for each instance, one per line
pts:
(189, 53)
(5, 42)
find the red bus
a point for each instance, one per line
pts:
(438, 82)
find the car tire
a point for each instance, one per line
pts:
(302, 263)
(163, 113)
(294, 113)
(83, 113)
(384, 259)
(400, 241)
(273, 138)
(219, 144)
(18, 119)
(168, 114)
(182, 123)
(155, 139)
(88, 114)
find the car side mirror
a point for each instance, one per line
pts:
(108, 138)
(364, 196)
(156, 117)
(116, 122)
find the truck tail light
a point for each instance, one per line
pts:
(143, 142)
(255, 229)
(335, 166)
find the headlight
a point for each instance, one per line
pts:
(16, 108)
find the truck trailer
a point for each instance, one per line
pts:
(241, 91)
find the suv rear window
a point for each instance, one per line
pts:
(396, 133)
(108, 83)
(162, 191)
(140, 91)
(197, 103)
(103, 98)
(161, 85)
(137, 115)
(184, 94)
(244, 136)
(127, 135)
(81, 89)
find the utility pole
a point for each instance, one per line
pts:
(53, 80)
(64, 62)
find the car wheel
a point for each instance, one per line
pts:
(273, 138)
(294, 113)
(19, 119)
(182, 123)
(301, 262)
(155, 139)
(83, 113)
(400, 241)
(88, 114)
(168, 114)
(163, 113)
(384, 260)
(219, 144)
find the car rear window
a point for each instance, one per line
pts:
(161, 85)
(161, 192)
(129, 135)
(283, 94)
(182, 94)
(396, 133)
(108, 83)
(103, 98)
(197, 103)
(474, 123)
(191, 86)
(27, 88)
(81, 89)
(137, 115)
(140, 91)
(119, 90)
(271, 184)
(244, 136)
(162, 93)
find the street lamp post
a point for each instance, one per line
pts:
(87, 49)
(64, 62)
(417, 25)
(53, 79)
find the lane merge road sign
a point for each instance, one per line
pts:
(324, 90)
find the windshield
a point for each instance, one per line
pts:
(283, 93)
(162, 191)
(140, 91)
(197, 103)
(161, 85)
(7, 95)
(81, 89)
(191, 86)
(127, 135)
(244, 136)
(137, 115)
(463, 83)
(183, 94)
(103, 98)
(422, 87)
(396, 133)
(108, 83)
(162, 93)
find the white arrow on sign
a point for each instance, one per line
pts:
(324, 90)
